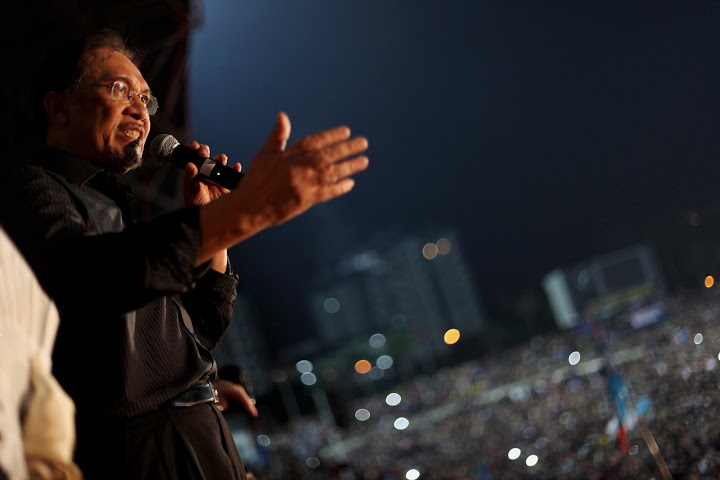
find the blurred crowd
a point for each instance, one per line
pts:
(536, 411)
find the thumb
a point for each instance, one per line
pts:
(279, 136)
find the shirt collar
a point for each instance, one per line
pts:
(79, 171)
(69, 166)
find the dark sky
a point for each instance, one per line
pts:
(528, 127)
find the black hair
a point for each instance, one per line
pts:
(68, 62)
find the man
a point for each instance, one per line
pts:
(142, 304)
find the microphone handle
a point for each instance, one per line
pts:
(217, 173)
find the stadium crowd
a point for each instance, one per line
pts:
(538, 412)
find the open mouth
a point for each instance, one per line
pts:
(131, 130)
(132, 134)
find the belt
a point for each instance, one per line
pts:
(203, 393)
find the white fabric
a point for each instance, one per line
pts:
(30, 397)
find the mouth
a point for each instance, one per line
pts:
(131, 132)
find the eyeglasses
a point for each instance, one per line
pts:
(121, 92)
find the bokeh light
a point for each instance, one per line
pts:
(304, 366)
(514, 453)
(312, 462)
(531, 461)
(331, 305)
(362, 366)
(308, 378)
(574, 358)
(377, 340)
(393, 399)
(709, 281)
(278, 376)
(412, 474)
(698, 338)
(384, 362)
(430, 251)
(263, 440)
(376, 373)
(452, 336)
(401, 423)
(443, 246)
(362, 414)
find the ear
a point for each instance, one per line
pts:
(56, 106)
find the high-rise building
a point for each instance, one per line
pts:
(420, 284)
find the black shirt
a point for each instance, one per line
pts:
(138, 318)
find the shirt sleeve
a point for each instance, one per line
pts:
(81, 267)
(210, 305)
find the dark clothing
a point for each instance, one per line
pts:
(170, 439)
(138, 318)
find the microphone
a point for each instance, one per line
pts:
(166, 149)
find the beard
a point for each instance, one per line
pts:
(122, 161)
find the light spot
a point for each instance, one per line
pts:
(377, 340)
(362, 366)
(514, 453)
(401, 423)
(376, 373)
(384, 362)
(452, 336)
(574, 358)
(304, 366)
(430, 251)
(393, 399)
(308, 378)
(412, 474)
(362, 414)
(331, 305)
(443, 246)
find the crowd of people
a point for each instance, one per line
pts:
(465, 421)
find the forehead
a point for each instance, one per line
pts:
(106, 64)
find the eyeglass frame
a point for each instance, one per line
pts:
(130, 94)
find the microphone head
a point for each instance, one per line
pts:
(162, 146)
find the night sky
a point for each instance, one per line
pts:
(533, 129)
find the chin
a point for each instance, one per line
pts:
(123, 160)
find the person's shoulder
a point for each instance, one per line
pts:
(25, 185)
(23, 175)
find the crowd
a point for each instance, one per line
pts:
(531, 413)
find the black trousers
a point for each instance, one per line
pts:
(173, 443)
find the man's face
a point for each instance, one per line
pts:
(109, 133)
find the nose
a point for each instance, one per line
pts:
(136, 108)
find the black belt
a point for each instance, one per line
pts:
(203, 393)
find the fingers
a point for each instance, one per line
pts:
(228, 391)
(338, 171)
(191, 171)
(336, 189)
(337, 151)
(279, 136)
(317, 141)
(204, 152)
